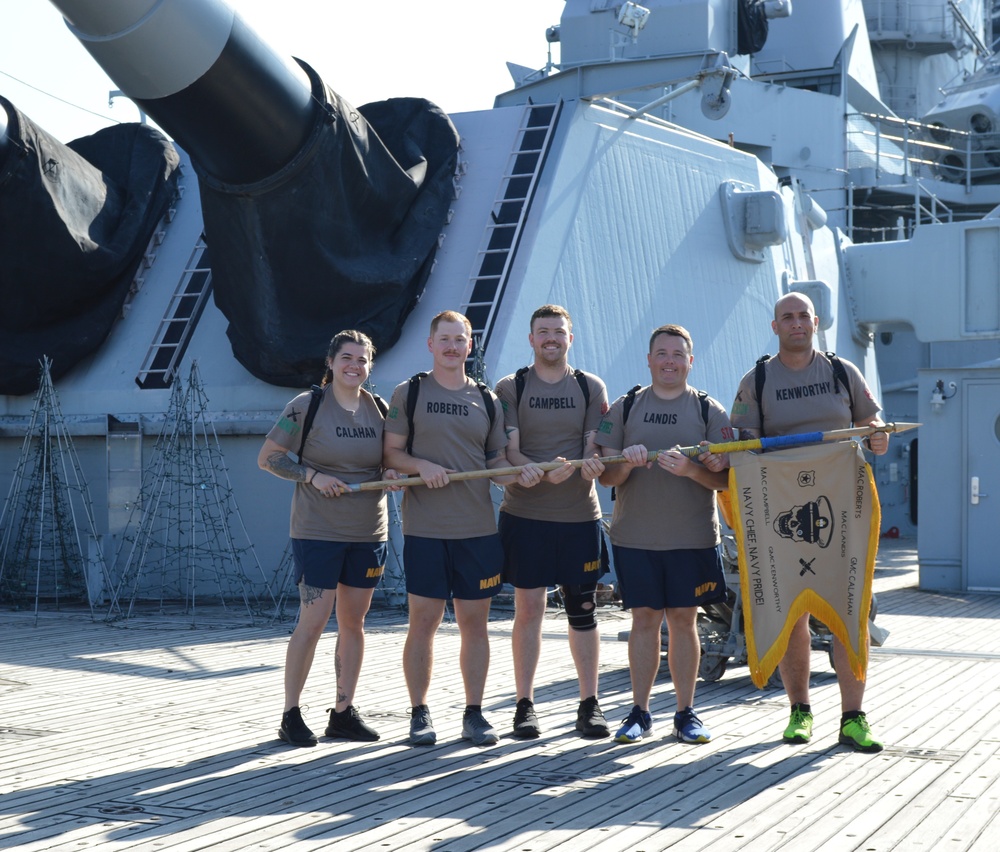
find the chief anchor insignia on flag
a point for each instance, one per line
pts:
(807, 534)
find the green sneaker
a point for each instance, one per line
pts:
(800, 726)
(856, 733)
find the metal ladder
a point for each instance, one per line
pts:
(163, 359)
(492, 265)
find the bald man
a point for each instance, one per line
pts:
(839, 397)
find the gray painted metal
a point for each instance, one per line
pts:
(627, 229)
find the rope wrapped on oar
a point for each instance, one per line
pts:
(796, 440)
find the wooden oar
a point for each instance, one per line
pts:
(691, 452)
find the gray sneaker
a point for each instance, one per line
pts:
(477, 729)
(421, 727)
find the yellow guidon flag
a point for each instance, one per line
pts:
(806, 521)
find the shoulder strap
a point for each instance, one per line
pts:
(491, 408)
(519, 384)
(759, 376)
(703, 399)
(579, 375)
(315, 398)
(411, 407)
(628, 403)
(381, 405)
(840, 376)
(581, 380)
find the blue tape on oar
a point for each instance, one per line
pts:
(789, 440)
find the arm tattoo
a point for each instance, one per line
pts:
(280, 465)
(492, 454)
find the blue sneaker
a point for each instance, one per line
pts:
(689, 729)
(638, 724)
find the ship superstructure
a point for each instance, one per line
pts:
(686, 161)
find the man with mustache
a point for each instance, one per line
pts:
(439, 423)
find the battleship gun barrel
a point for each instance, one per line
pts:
(239, 109)
(318, 214)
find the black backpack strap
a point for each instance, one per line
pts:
(581, 380)
(381, 405)
(411, 407)
(579, 375)
(315, 398)
(840, 376)
(519, 384)
(759, 376)
(703, 399)
(491, 408)
(627, 405)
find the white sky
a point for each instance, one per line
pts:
(448, 51)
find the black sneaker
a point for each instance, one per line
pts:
(421, 727)
(525, 720)
(348, 725)
(590, 720)
(294, 731)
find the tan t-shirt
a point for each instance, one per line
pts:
(452, 429)
(655, 510)
(803, 400)
(344, 444)
(552, 420)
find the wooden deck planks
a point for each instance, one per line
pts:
(163, 736)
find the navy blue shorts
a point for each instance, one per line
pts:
(324, 564)
(662, 579)
(465, 568)
(539, 554)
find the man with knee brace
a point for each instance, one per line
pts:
(552, 532)
(665, 530)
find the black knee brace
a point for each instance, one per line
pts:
(581, 601)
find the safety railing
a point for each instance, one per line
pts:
(900, 150)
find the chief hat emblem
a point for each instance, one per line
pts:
(810, 523)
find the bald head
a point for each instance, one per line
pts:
(794, 302)
(796, 324)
